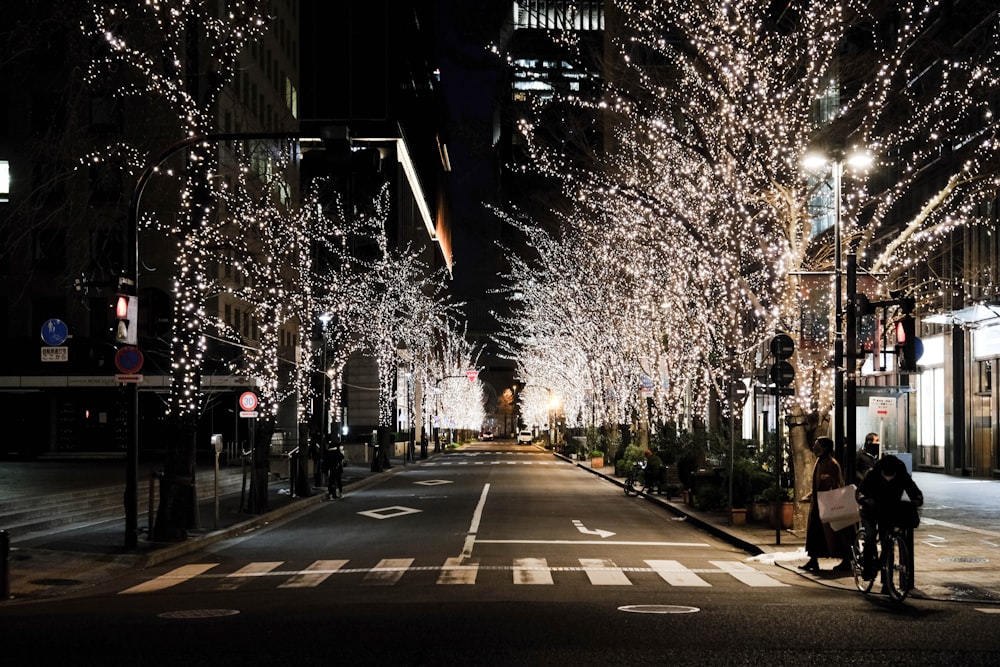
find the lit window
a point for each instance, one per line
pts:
(4, 180)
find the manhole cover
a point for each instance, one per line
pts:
(963, 559)
(198, 613)
(56, 582)
(658, 609)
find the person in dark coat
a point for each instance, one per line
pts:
(879, 497)
(333, 466)
(866, 457)
(821, 540)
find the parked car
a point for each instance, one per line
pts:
(486, 435)
(525, 437)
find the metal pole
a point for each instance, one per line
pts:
(851, 389)
(838, 340)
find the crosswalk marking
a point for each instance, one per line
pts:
(676, 574)
(388, 571)
(245, 573)
(459, 571)
(532, 571)
(314, 575)
(453, 572)
(746, 574)
(171, 578)
(604, 572)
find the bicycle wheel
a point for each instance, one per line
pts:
(630, 486)
(898, 578)
(857, 563)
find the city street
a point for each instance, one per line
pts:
(493, 554)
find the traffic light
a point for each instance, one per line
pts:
(126, 311)
(906, 344)
(781, 372)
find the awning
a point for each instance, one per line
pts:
(972, 317)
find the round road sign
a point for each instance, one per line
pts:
(129, 359)
(782, 346)
(248, 401)
(54, 332)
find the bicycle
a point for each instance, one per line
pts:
(634, 482)
(895, 561)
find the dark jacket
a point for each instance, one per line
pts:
(333, 460)
(879, 496)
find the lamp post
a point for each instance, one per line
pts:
(859, 160)
(324, 319)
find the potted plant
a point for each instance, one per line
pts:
(596, 459)
(782, 507)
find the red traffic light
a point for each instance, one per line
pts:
(121, 307)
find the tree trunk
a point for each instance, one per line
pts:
(178, 506)
(261, 466)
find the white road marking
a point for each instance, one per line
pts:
(676, 574)
(588, 531)
(604, 572)
(245, 573)
(454, 572)
(532, 571)
(387, 572)
(746, 574)
(172, 578)
(617, 543)
(477, 517)
(314, 575)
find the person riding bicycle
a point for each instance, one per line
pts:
(879, 496)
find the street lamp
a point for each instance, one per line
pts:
(858, 160)
(324, 319)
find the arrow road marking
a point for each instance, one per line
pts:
(587, 531)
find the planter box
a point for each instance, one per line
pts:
(597, 462)
(783, 515)
(739, 517)
(760, 512)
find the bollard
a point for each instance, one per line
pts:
(4, 565)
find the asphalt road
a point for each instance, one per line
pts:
(493, 555)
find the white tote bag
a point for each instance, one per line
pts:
(838, 507)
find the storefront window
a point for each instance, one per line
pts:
(930, 417)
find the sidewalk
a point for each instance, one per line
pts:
(957, 546)
(957, 543)
(70, 560)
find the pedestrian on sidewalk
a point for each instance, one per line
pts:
(867, 456)
(822, 541)
(333, 466)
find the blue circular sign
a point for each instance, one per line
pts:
(54, 332)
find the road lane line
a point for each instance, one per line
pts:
(532, 571)
(246, 573)
(454, 572)
(746, 574)
(676, 574)
(477, 517)
(604, 572)
(314, 575)
(172, 578)
(617, 543)
(387, 572)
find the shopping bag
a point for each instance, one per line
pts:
(838, 507)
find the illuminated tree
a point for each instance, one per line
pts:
(699, 209)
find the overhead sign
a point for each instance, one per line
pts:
(54, 332)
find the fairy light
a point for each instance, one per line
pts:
(689, 234)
